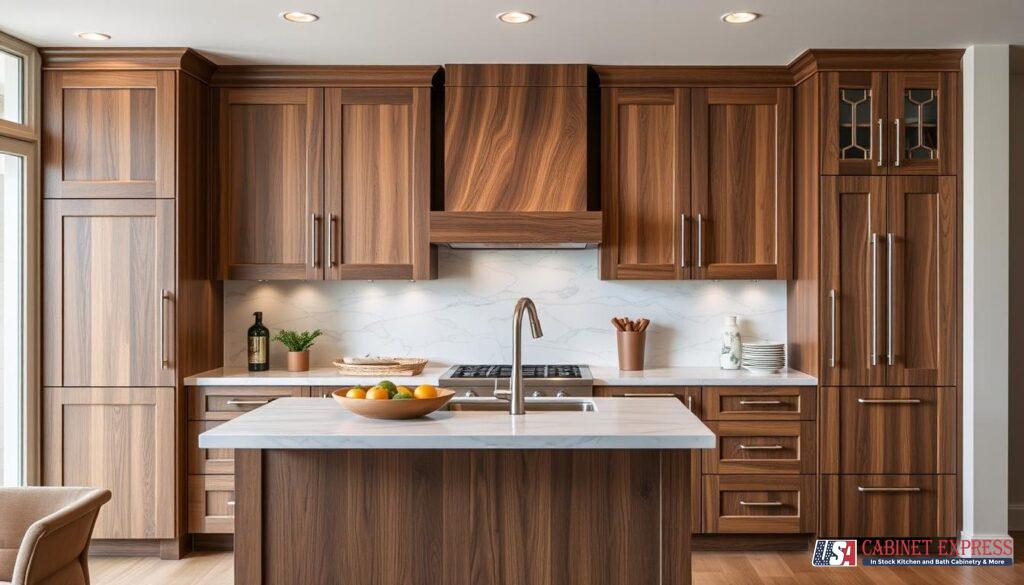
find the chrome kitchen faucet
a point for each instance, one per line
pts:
(517, 402)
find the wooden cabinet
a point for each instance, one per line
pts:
(646, 187)
(749, 447)
(761, 403)
(897, 123)
(109, 292)
(109, 134)
(271, 180)
(121, 439)
(742, 186)
(889, 281)
(893, 506)
(759, 504)
(211, 504)
(377, 183)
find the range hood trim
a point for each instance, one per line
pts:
(516, 229)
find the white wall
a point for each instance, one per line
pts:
(986, 289)
(466, 315)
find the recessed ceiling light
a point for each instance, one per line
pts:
(514, 17)
(740, 17)
(300, 17)
(93, 36)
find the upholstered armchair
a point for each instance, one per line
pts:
(44, 534)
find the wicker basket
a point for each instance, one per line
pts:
(404, 367)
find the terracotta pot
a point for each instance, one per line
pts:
(631, 349)
(298, 361)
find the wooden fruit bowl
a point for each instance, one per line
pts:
(393, 409)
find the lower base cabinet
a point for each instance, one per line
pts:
(759, 504)
(121, 439)
(211, 504)
(888, 505)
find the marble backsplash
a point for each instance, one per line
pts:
(466, 315)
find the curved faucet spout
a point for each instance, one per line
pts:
(517, 404)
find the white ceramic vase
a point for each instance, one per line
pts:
(730, 355)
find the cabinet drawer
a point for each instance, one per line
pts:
(759, 503)
(211, 504)
(888, 505)
(759, 403)
(227, 402)
(690, 396)
(888, 430)
(761, 447)
(207, 461)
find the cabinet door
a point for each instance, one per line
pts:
(108, 317)
(271, 165)
(925, 130)
(852, 264)
(891, 506)
(646, 197)
(743, 182)
(854, 125)
(108, 134)
(121, 439)
(377, 184)
(921, 293)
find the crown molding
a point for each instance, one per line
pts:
(694, 76)
(129, 58)
(813, 61)
(327, 76)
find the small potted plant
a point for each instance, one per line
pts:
(298, 345)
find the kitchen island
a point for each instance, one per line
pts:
(589, 491)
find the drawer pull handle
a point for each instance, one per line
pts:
(761, 447)
(643, 395)
(895, 490)
(238, 402)
(889, 400)
(760, 402)
(771, 504)
(231, 502)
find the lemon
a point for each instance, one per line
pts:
(425, 391)
(356, 393)
(377, 393)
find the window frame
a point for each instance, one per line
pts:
(30, 90)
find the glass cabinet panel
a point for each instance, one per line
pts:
(921, 124)
(854, 123)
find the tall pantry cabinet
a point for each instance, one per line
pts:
(127, 278)
(873, 305)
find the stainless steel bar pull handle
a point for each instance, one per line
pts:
(759, 402)
(874, 299)
(646, 395)
(231, 502)
(889, 240)
(700, 241)
(331, 226)
(165, 362)
(773, 504)
(832, 342)
(240, 402)
(895, 490)
(313, 221)
(888, 401)
(682, 240)
(881, 141)
(689, 402)
(760, 447)
(897, 163)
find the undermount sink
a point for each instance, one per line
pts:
(532, 405)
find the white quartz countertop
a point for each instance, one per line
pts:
(321, 423)
(603, 376)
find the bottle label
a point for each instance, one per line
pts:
(257, 350)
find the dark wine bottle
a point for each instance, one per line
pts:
(259, 345)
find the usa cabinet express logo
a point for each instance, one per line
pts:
(913, 552)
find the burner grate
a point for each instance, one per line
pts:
(529, 371)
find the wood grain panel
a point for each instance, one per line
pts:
(515, 149)
(759, 403)
(908, 506)
(660, 76)
(109, 134)
(749, 447)
(207, 461)
(759, 504)
(271, 151)
(946, 86)
(377, 184)
(853, 208)
(742, 157)
(516, 75)
(211, 504)
(121, 439)
(923, 221)
(832, 160)
(913, 430)
(503, 517)
(646, 196)
(362, 76)
(106, 264)
(528, 228)
(228, 402)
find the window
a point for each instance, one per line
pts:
(13, 189)
(12, 87)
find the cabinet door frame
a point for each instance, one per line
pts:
(831, 162)
(782, 99)
(163, 183)
(946, 85)
(163, 480)
(54, 213)
(312, 265)
(421, 254)
(682, 233)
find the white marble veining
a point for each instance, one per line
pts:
(321, 423)
(320, 376)
(466, 315)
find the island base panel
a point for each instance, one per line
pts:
(530, 517)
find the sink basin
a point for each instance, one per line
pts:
(532, 405)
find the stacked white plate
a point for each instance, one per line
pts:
(764, 357)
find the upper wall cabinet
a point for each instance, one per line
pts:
(889, 123)
(108, 134)
(742, 187)
(271, 156)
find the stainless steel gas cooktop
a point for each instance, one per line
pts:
(557, 380)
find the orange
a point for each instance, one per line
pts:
(356, 393)
(425, 391)
(377, 393)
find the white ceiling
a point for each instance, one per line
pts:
(453, 31)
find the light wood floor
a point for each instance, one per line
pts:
(709, 568)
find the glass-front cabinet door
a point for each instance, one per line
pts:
(922, 112)
(855, 124)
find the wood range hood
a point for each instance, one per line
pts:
(519, 158)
